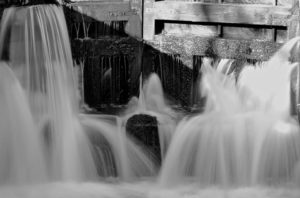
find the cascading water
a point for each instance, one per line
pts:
(38, 51)
(245, 136)
(129, 160)
(243, 143)
(21, 152)
(39, 54)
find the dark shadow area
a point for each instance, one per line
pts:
(113, 62)
(108, 57)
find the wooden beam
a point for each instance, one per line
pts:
(149, 20)
(104, 11)
(134, 24)
(215, 47)
(220, 13)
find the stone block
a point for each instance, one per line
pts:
(144, 129)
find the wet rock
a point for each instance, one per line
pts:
(143, 128)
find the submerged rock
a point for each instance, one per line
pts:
(144, 129)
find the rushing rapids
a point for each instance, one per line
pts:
(244, 143)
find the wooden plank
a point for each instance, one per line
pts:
(266, 2)
(134, 24)
(215, 47)
(269, 15)
(104, 11)
(248, 33)
(204, 1)
(220, 13)
(194, 29)
(191, 29)
(149, 20)
(95, 1)
(286, 2)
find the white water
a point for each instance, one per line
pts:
(245, 136)
(40, 55)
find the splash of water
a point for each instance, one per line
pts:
(235, 144)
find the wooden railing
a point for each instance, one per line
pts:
(265, 16)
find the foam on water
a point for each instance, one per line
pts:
(141, 190)
(233, 143)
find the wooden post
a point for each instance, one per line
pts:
(134, 24)
(149, 20)
(220, 28)
(274, 31)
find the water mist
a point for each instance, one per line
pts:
(246, 136)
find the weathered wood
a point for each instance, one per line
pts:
(215, 47)
(192, 29)
(260, 33)
(267, 2)
(195, 29)
(108, 11)
(248, 33)
(134, 24)
(251, 14)
(221, 13)
(104, 11)
(287, 2)
(149, 20)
